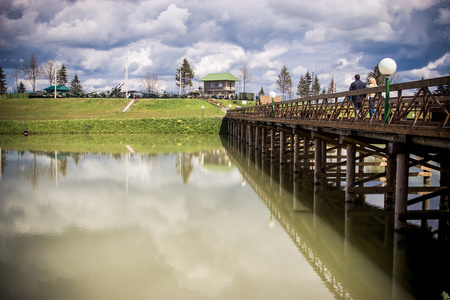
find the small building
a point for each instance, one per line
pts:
(220, 85)
(61, 89)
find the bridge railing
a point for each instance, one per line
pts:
(412, 103)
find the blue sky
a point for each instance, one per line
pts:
(93, 38)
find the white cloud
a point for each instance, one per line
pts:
(444, 16)
(94, 37)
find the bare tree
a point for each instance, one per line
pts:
(48, 71)
(15, 74)
(32, 71)
(246, 76)
(150, 83)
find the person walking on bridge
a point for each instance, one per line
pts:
(357, 85)
(373, 83)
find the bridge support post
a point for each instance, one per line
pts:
(350, 173)
(241, 130)
(296, 152)
(263, 140)
(318, 160)
(272, 143)
(305, 151)
(445, 198)
(282, 143)
(256, 137)
(390, 177)
(401, 190)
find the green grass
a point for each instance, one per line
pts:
(98, 108)
(96, 115)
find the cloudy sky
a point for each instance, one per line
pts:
(94, 38)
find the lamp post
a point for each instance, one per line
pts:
(272, 96)
(387, 67)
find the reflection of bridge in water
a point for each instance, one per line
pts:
(351, 245)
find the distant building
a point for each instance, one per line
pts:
(221, 85)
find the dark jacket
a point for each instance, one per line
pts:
(357, 85)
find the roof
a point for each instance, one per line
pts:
(219, 77)
(59, 88)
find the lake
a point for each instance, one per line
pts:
(190, 217)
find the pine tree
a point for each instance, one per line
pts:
(330, 89)
(261, 92)
(442, 89)
(3, 87)
(62, 76)
(284, 82)
(184, 76)
(21, 88)
(380, 78)
(304, 86)
(75, 85)
(316, 86)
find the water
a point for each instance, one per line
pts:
(146, 221)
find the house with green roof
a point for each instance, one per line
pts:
(220, 84)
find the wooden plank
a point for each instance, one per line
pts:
(425, 214)
(380, 190)
(427, 196)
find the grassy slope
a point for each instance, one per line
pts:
(60, 109)
(97, 115)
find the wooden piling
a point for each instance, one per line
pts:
(401, 190)
(350, 178)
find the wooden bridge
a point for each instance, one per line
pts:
(327, 134)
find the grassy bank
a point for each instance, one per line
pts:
(74, 116)
(98, 108)
(190, 125)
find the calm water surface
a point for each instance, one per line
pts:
(209, 224)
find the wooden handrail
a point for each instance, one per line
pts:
(413, 105)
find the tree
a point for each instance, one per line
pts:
(62, 76)
(21, 88)
(246, 76)
(75, 85)
(150, 83)
(32, 71)
(442, 89)
(284, 82)
(304, 86)
(3, 87)
(15, 75)
(48, 71)
(184, 76)
(261, 92)
(316, 86)
(380, 78)
(330, 89)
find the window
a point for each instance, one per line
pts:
(216, 84)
